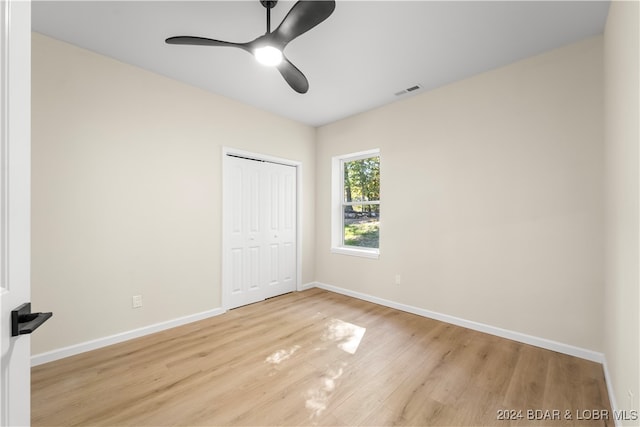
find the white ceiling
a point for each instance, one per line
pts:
(356, 60)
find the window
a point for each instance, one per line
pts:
(356, 204)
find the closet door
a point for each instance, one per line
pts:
(260, 230)
(280, 238)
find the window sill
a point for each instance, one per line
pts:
(361, 252)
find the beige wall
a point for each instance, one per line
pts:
(491, 198)
(126, 192)
(492, 195)
(622, 177)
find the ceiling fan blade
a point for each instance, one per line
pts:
(293, 76)
(303, 16)
(202, 41)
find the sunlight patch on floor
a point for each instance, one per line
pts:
(281, 355)
(318, 398)
(347, 335)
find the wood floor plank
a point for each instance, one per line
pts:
(316, 358)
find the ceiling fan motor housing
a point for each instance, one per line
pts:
(269, 4)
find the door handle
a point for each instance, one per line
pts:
(23, 321)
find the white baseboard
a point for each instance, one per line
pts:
(559, 347)
(72, 350)
(612, 396)
(306, 286)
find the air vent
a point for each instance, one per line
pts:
(409, 90)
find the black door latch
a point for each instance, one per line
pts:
(23, 321)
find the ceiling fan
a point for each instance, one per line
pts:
(268, 48)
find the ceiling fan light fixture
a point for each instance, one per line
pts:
(268, 55)
(267, 49)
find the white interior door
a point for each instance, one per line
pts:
(15, 112)
(259, 258)
(280, 239)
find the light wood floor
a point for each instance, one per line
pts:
(317, 358)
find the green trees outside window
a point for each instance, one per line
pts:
(361, 202)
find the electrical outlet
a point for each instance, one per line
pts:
(398, 278)
(136, 301)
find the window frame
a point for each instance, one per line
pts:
(338, 204)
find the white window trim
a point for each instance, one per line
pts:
(337, 217)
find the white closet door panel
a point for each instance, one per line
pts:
(281, 234)
(260, 230)
(254, 269)
(288, 263)
(289, 202)
(273, 266)
(254, 209)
